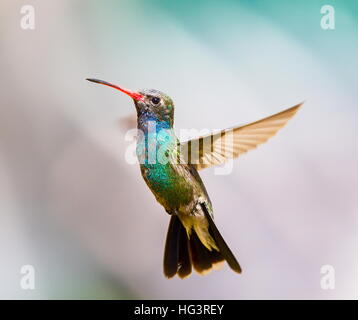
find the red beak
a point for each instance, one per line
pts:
(134, 95)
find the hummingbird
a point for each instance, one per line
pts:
(170, 169)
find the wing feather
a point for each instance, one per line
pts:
(217, 148)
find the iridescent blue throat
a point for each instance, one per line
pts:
(155, 137)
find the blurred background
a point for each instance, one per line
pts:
(71, 206)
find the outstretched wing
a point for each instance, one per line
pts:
(215, 149)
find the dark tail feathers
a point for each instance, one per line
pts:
(182, 253)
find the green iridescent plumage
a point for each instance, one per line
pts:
(177, 186)
(170, 169)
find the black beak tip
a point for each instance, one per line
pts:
(91, 80)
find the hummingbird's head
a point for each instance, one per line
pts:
(150, 103)
(155, 103)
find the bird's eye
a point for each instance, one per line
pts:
(155, 100)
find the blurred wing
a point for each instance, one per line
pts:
(215, 149)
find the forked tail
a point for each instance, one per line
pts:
(183, 252)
